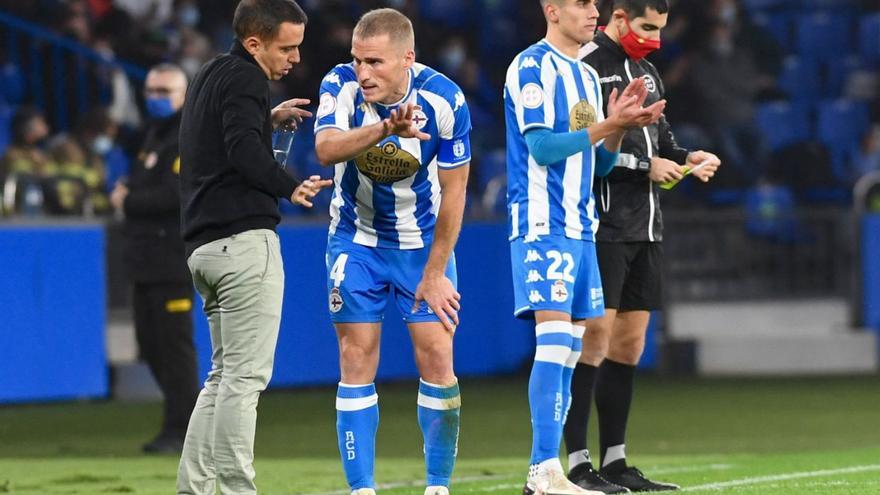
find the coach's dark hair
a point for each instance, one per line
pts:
(262, 18)
(637, 8)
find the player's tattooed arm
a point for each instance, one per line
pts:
(435, 288)
(336, 146)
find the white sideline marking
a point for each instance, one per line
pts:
(782, 477)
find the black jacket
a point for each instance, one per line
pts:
(230, 181)
(153, 247)
(628, 202)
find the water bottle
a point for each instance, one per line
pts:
(282, 142)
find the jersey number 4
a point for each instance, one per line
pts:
(337, 273)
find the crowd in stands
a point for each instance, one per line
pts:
(786, 92)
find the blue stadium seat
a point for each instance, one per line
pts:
(783, 123)
(452, 13)
(837, 73)
(778, 23)
(840, 127)
(799, 79)
(12, 84)
(869, 37)
(491, 165)
(6, 113)
(823, 36)
(753, 5)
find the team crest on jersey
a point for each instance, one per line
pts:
(650, 83)
(327, 106)
(335, 300)
(387, 163)
(419, 119)
(532, 96)
(582, 115)
(458, 148)
(558, 293)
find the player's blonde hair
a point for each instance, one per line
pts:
(386, 21)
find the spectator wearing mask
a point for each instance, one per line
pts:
(154, 254)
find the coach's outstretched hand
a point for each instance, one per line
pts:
(308, 189)
(289, 110)
(441, 297)
(401, 123)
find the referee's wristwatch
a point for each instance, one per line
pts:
(643, 164)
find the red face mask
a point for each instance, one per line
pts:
(637, 48)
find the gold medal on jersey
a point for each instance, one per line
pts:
(582, 115)
(387, 163)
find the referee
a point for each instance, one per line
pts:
(230, 187)
(629, 249)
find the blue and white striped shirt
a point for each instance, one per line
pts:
(389, 195)
(546, 89)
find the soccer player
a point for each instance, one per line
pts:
(629, 251)
(398, 134)
(557, 139)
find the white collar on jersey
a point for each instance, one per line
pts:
(558, 52)
(409, 88)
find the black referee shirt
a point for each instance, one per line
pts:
(229, 180)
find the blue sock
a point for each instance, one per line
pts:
(357, 419)
(439, 415)
(546, 398)
(577, 344)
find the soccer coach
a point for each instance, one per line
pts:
(230, 186)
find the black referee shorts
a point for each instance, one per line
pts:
(632, 275)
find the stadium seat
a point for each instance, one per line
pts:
(837, 73)
(491, 165)
(815, 32)
(799, 78)
(869, 37)
(451, 13)
(840, 127)
(5, 127)
(778, 23)
(783, 123)
(12, 84)
(755, 5)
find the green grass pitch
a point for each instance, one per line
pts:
(769, 437)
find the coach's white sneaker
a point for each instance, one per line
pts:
(437, 490)
(548, 478)
(363, 491)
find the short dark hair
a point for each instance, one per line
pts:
(637, 8)
(262, 18)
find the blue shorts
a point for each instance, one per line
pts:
(360, 279)
(555, 273)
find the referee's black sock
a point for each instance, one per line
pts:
(614, 390)
(575, 432)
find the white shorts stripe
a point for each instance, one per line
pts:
(439, 404)
(556, 354)
(356, 404)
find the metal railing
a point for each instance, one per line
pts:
(62, 77)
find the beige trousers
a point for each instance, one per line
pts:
(241, 280)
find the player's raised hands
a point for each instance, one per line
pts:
(441, 297)
(625, 107)
(289, 110)
(310, 187)
(401, 123)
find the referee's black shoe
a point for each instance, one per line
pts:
(584, 476)
(630, 477)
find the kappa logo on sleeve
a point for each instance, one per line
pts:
(459, 101)
(529, 63)
(333, 79)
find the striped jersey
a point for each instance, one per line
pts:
(546, 89)
(389, 195)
